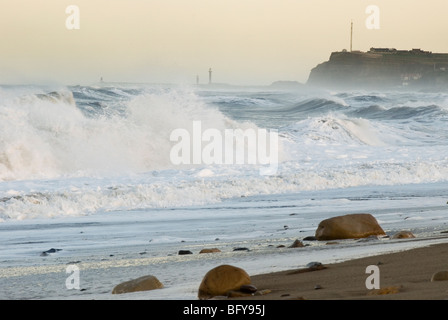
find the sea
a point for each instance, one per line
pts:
(107, 182)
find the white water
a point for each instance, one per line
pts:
(90, 174)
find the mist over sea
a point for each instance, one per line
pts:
(89, 167)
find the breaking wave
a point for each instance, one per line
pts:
(84, 149)
(105, 132)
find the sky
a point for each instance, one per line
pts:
(175, 41)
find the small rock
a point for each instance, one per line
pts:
(141, 284)
(52, 250)
(209, 250)
(241, 249)
(317, 287)
(183, 252)
(310, 238)
(297, 244)
(314, 265)
(248, 288)
(403, 235)
(440, 276)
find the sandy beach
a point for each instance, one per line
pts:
(404, 275)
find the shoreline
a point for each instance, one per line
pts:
(403, 275)
(408, 264)
(115, 247)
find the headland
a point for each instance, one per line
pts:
(383, 68)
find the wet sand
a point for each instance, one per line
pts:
(404, 275)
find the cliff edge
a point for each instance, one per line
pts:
(383, 69)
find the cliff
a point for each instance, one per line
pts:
(382, 68)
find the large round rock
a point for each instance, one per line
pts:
(222, 279)
(350, 226)
(141, 284)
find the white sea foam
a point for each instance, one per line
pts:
(48, 137)
(58, 159)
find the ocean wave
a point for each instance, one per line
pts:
(57, 138)
(400, 113)
(336, 129)
(370, 98)
(185, 189)
(277, 110)
(315, 106)
(86, 149)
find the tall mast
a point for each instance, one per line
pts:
(210, 76)
(351, 37)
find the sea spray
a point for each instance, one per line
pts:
(46, 136)
(107, 148)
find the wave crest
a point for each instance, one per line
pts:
(48, 135)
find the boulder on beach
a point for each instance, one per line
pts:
(350, 226)
(144, 283)
(221, 280)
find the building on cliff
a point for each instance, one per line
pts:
(385, 68)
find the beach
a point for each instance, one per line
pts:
(102, 260)
(404, 275)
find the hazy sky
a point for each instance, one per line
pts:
(243, 41)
